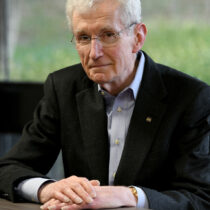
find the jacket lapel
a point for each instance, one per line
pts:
(93, 123)
(144, 124)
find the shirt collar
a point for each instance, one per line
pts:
(135, 84)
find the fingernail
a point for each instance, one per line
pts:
(89, 200)
(52, 207)
(93, 194)
(41, 207)
(64, 208)
(66, 200)
(78, 200)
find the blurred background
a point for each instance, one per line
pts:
(35, 39)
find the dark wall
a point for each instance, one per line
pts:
(18, 101)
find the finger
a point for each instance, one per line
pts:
(95, 182)
(86, 184)
(75, 195)
(72, 207)
(51, 202)
(61, 197)
(58, 206)
(85, 190)
(54, 205)
(48, 203)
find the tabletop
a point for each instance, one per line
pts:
(8, 205)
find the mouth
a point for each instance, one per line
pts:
(99, 65)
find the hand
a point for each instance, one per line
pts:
(107, 197)
(70, 190)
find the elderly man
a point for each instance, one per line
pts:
(132, 132)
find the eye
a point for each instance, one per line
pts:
(83, 38)
(108, 34)
(108, 37)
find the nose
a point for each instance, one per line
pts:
(96, 50)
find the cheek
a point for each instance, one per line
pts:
(123, 52)
(116, 56)
(83, 59)
(121, 58)
(81, 55)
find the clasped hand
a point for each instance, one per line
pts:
(80, 193)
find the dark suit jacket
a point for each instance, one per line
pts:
(168, 157)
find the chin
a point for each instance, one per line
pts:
(99, 78)
(100, 81)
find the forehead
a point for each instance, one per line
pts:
(102, 15)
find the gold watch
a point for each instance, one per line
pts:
(134, 192)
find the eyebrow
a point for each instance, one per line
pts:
(107, 28)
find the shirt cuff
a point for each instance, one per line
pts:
(28, 189)
(142, 198)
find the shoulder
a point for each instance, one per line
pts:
(71, 72)
(71, 78)
(178, 81)
(184, 88)
(174, 80)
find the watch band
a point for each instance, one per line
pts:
(134, 192)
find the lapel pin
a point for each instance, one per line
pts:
(149, 119)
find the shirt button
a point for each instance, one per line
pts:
(119, 109)
(117, 141)
(102, 93)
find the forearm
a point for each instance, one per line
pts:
(123, 196)
(11, 175)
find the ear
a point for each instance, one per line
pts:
(140, 33)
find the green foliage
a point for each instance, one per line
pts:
(44, 42)
(184, 46)
(34, 63)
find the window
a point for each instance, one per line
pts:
(38, 38)
(179, 35)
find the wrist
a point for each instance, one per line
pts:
(128, 197)
(134, 193)
(41, 190)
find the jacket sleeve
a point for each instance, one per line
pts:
(38, 148)
(190, 185)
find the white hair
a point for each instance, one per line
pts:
(130, 9)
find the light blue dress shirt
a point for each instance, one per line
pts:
(119, 110)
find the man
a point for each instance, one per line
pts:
(132, 132)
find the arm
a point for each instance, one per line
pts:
(105, 197)
(28, 158)
(190, 182)
(188, 186)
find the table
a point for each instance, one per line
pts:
(7, 205)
